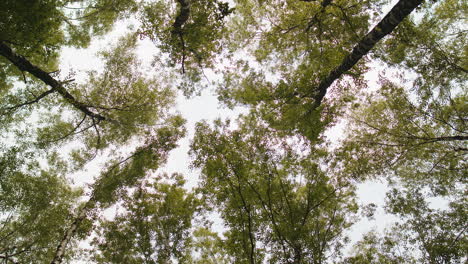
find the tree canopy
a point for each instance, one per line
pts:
(275, 185)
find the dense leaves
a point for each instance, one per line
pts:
(422, 143)
(191, 33)
(278, 205)
(154, 228)
(300, 42)
(35, 205)
(274, 186)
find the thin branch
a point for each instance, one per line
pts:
(37, 99)
(181, 19)
(89, 205)
(72, 132)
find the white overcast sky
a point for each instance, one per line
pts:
(206, 107)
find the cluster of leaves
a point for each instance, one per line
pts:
(38, 29)
(282, 194)
(36, 206)
(424, 235)
(279, 205)
(191, 33)
(155, 227)
(297, 43)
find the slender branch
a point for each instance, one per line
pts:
(347, 20)
(86, 209)
(247, 209)
(72, 132)
(315, 206)
(269, 210)
(448, 138)
(315, 17)
(37, 99)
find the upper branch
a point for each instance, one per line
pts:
(324, 2)
(401, 10)
(92, 202)
(182, 17)
(24, 65)
(35, 100)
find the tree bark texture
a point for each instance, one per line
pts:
(401, 10)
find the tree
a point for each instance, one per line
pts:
(283, 194)
(420, 143)
(35, 206)
(210, 248)
(420, 149)
(424, 235)
(38, 29)
(121, 174)
(416, 139)
(317, 60)
(154, 228)
(430, 49)
(112, 109)
(383, 28)
(278, 205)
(191, 34)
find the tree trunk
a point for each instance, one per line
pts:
(59, 253)
(182, 17)
(401, 10)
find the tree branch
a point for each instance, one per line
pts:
(37, 99)
(324, 2)
(181, 19)
(71, 231)
(90, 204)
(24, 65)
(401, 10)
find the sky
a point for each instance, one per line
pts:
(207, 107)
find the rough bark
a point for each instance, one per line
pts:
(25, 65)
(401, 10)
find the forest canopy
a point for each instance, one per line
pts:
(274, 184)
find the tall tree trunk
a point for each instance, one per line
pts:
(401, 10)
(60, 252)
(25, 65)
